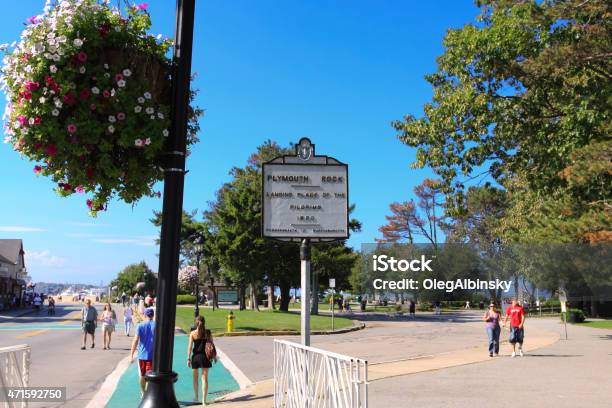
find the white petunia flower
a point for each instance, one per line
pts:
(121, 83)
(152, 117)
(111, 128)
(147, 95)
(138, 109)
(56, 57)
(55, 112)
(127, 72)
(62, 38)
(95, 90)
(58, 103)
(42, 99)
(106, 75)
(160, 115)
(149, 110)
(138, 143)
(82, 70)
(60, 52)
(53, 69)
(117, 28)
(77, 42)
(105, 66)
(147, 141)
(141, 99)
(31, 121)
(112, 119)
(165, 132)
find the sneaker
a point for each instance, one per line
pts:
(513, 354)
(83, 348)
(521, 352)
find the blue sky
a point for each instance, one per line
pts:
(337, 71)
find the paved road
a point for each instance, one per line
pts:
(56, 356)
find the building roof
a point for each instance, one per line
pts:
(10, 249)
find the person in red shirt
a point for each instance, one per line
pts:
(517, 321)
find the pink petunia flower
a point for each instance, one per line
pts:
(158, 194)
(89, 204)
(37, 120)
(118, 77)
(82, 56)
(106, 93)
(120, 115)
(32, 86)
(51, 150)
(143, 6)
(72, 128)
(69, 98)
(84, 94)
(90, 172)
(22, 120)
(37, 169)
(80, 189)
(32, 20)
(92, 106)
(26, 95)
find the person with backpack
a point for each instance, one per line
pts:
(201, 352)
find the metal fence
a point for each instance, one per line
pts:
(307, 377)
(14, 371)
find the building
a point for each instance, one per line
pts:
(13, 273)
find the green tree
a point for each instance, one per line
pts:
(523, 96)
(132, 274)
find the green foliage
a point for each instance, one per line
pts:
(185, 299)
(573, 316)
(132, 274)
(524, 97)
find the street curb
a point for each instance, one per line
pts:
(109, 385)
(356, 327)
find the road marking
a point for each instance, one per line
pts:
(110, 384)
(32, 333)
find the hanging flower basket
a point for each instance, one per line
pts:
(88, 94)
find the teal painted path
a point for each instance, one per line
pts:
(220, 381)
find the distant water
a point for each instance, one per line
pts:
(220, 381)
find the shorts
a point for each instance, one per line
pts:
(89, 327)
(516, 335)
(145, 366)
(108, 328)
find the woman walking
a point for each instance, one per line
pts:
(491, 317)
(200, 352)
(127, 319)
(108, 318)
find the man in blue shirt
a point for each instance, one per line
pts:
(143, 342)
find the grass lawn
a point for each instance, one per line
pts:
(354, 307)
(249, 320)
(597, 324)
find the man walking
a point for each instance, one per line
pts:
(143, 342)
(89, 319)
(517, 320)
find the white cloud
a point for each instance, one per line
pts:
(43, 258)
(8, 228)
(148, 240)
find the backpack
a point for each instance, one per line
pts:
(210, 350)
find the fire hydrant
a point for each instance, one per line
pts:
(230, 321)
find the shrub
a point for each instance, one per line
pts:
(185, 299)
(574, 316)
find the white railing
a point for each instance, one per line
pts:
(307, 377)
(14, 371)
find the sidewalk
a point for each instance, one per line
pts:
(382, 343)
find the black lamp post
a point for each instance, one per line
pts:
(160, 382)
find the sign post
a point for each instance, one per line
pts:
(305, 200)
(332, 285)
